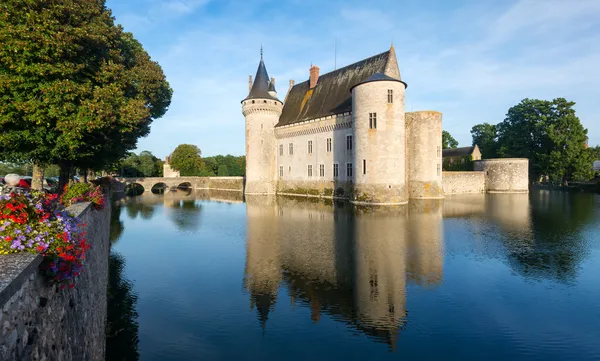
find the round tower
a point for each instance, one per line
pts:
(379, 159)
(262, 109)
(424, 158)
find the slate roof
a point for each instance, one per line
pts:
(457, 152)
(332, 94)
(379, 77)
(262, 84)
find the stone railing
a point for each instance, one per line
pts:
(43, 322)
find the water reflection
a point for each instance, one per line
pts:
(540, 232)
(122, 317)
(351, 263)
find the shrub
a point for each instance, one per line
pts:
(38, 223)
(83, 192)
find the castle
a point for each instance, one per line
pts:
(344, 133)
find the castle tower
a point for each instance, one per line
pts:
(424, 147)
(379, 159)
(262, 109)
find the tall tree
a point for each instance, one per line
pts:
(448, 141)
(75, 89)
(550, 135)
(485, 136)
(186, 158)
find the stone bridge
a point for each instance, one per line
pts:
(215, 183)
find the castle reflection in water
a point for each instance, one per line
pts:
(354, 263)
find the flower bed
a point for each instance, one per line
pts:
(83, 192)
(39, 223)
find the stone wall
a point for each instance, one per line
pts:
(424, 154)
(325, 189)
(506, 175)
(42, 322)
(463, 182)
(216, 183)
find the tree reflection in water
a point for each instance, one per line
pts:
(122, 317)
(185, 214)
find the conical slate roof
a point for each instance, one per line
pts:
(261, 85)
(378, 77)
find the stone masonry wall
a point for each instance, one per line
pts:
(42, 322)
(506, 175)
(463, 182)
(326, 189)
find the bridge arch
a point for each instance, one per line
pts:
(134, 189)
(160, 188)
(184, 186)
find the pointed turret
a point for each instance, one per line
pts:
(262, 110)
(391, 66)
(261, 86)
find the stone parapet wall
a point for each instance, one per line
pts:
(463, 182)
(216, 183)
(42, 322)
(505, 175)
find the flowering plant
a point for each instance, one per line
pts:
(83, 192)
(38, 223)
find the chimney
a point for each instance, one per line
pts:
(249, 83)
(167, 160)
(314, 76)
(291, 84)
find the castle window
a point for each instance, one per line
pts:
(322, 170)
(265, 102)
(310, 170)
(290, 169)
(253, 102)
(349, 170)
(280, 149)
(372, 120)
(349, 142)
(291, 148)
(439, 169)
(390, 96)
(328, 144)
(310, 147)
(439, 151)
(336, 170)
(281, 171)
(364, 166)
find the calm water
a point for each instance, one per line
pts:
(491, 277)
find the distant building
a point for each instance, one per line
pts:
(169, 172)
(457, 157)
(597, 166)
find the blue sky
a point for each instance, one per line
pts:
(469, 59)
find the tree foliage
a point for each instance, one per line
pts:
(143, 165)
(75, 89)
(448, 141)
(186, 159)
(485, 136)
(548, 133)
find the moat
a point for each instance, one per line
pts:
(211, 276)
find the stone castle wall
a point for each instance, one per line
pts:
(424, 154)
(380, 151)
(42, 322)
(463, 182)
(261, 117)
(506, 175)
(295, 165)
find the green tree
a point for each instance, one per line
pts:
(223, 172)
(75, 89)
(448, 141)
(550, 135)
(186, 158)
(485, 136)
